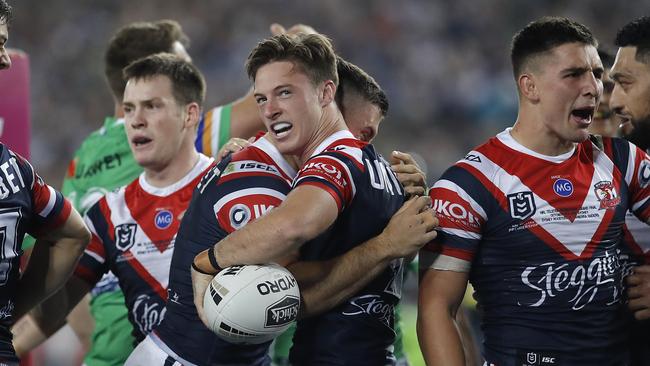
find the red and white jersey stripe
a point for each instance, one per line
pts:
(133, 232)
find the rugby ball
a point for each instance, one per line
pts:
(251, 304)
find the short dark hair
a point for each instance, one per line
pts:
(543, 35)
(312, 53)
(135, 41)
(353, 79)
(188, 84)
(636, 34)
(5, 12)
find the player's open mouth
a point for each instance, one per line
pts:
(140, 141)
(624, 120)
(281, 129)
(583, 115)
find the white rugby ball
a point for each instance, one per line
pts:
(251, 304)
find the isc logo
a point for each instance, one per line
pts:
(163, 219)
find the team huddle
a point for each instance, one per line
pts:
(546, 220)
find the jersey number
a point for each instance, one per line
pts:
(9, 220)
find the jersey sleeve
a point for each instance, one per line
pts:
(50, 208)
(214, 130)
(461, 220)
(94, 261)
(331, 173)
(639, 184)
(234, 211)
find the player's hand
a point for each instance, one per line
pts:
(409, 174)
(233, 145)
(410, 228)
(638, 292)
(277, 29)
(200, 283)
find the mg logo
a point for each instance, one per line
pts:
(563, 187)
(522, 205)
(163, 219)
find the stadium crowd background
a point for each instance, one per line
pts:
(444, 64)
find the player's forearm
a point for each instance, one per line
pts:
(258, 242)
(49, 267)
(27, 335)
(48, 316)
(326, 284)
(439, 338)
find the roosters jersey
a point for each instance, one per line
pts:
(360, 331)
(133, 233)
(241, 188)
(27, 205)
(540, 238)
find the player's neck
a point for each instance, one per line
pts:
(331, 122)
(532, 135)
(174, 170)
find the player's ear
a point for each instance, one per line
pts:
(527, 85)
(327, 95)
(192, 114)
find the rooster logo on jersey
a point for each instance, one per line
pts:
(606, 194)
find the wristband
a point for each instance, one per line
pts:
(213, 260)
(196, 268)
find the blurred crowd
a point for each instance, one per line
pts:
(444, 63)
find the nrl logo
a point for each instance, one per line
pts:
(606, 194)
(125, 236)
(522, 205)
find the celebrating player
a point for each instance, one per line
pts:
(295, 84)
(533, 219)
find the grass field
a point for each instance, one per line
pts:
(411, 347)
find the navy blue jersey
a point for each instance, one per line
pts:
(540, 237)
(361, 330)
(27, 205)
(239, 189)
(133, 235)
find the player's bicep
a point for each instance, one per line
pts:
(72, 227)
(312, 210)
(331, 175)
(441, 290)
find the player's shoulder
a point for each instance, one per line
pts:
(13, 160)
(344, 147)
(261, 159)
